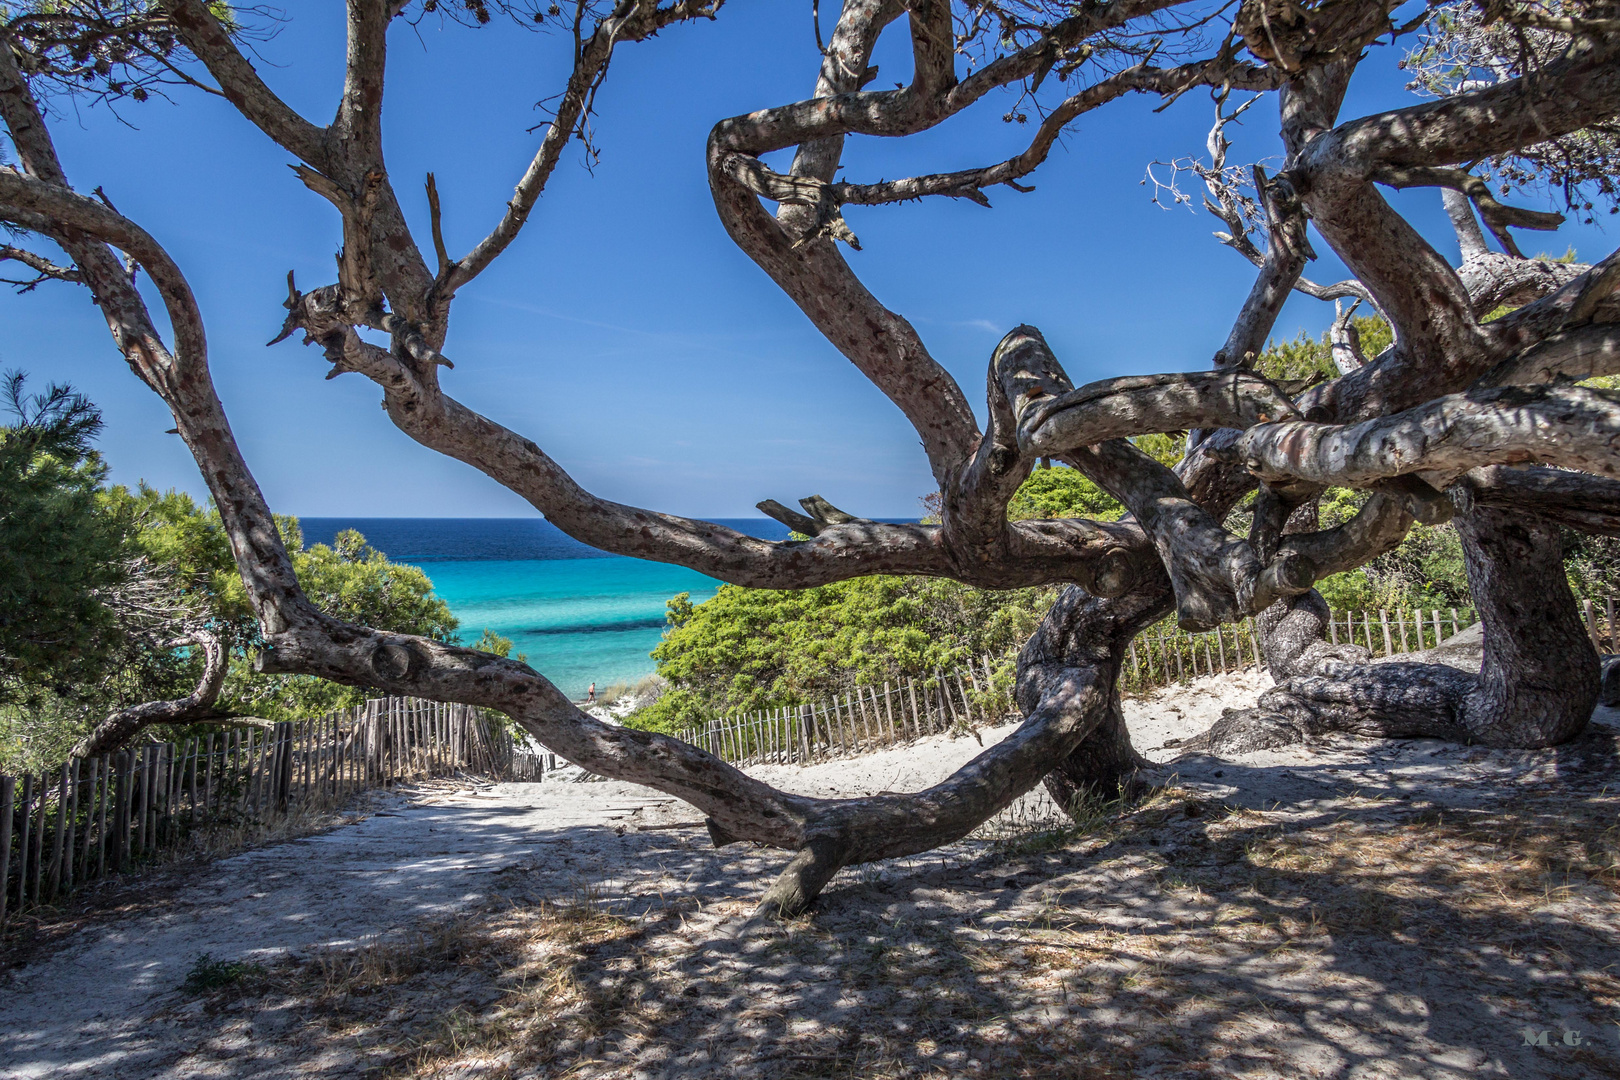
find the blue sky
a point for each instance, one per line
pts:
(624, 332)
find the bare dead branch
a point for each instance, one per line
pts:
(44, 269)
(1345, 340)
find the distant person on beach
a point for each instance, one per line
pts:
(590, 695)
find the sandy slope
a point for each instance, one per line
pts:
(106, 1002)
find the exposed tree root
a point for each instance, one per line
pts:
(1537, 686)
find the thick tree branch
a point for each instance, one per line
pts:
(358, 123)
(1572, 355)
(1029, 553)
(1496, 280)
(881, 344)
(1379, 526)
(1066, 688)
(211, 43)
(1498, 217)
(1217, 577)
(1590, 297)
(1575, 500)
(1345, 340)
(1470, 241)
(1567, 426)
(123, 725)
(1143, 404)
(1571, 93)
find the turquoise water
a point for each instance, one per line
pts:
(578, 620)
(578, 614)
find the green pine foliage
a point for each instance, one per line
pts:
(96, 581)
(1061, 492)
(58, 555)
(751, 649)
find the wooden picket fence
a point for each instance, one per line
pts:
(861, 719)
(91, 818)
(1162, 654)
(869, 717)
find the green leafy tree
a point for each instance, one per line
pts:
(97, 581)
(1309, 359)
(59, 555)
(349, 580)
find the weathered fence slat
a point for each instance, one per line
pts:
(37, 855)
(60, 829)
(8, 791)
(58, 833)
(22, 846)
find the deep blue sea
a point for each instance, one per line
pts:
(580, 614)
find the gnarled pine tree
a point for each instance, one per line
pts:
(1426, 426)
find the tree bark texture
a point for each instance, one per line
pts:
(1537, 685)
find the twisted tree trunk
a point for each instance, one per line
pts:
(1069, 694)
(1293, 638)
(1537, 685)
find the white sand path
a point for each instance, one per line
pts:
(104, 1002)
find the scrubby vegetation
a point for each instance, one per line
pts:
(100, 583)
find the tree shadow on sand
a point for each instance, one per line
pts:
(1356, 936)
